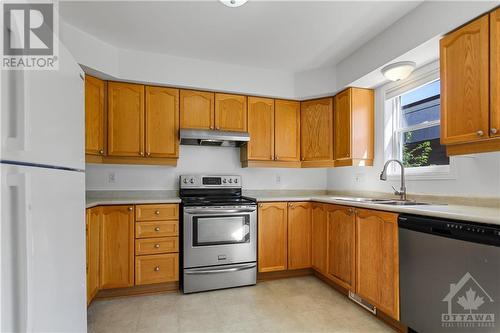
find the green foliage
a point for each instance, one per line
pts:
(418, 156)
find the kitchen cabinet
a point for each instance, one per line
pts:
(197, 109)
(93, 225)
(353, 127)
(261, 130)
(272, 236)
(319, 237)
(162, 122)
(117, 247)
(495, 73)
(299, 235)
(316, 133)
(377, 259)
(230, 112)
(341, 249)
(158, 268)
(95, 135)
(287, 130)
(125, 119)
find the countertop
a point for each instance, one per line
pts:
(471, 213)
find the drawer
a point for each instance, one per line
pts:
(156, 268)
(157, 212)
(156, 229)
(156, 245)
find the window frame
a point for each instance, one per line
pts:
(392, 130)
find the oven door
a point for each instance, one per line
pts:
(219, 235)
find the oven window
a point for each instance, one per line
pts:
(217, 230)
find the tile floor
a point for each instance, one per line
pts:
(303, 304)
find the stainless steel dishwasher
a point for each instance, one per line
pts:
(449, 275)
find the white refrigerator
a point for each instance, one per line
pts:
(42, 231)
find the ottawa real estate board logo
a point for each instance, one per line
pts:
(469, 305)
(29, 36)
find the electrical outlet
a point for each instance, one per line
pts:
(359, 177)
(111, 177)
(278, 179)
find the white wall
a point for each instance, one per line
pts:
(208, 160)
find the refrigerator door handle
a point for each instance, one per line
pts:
(14, 95)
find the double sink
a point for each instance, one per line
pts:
(382, 201)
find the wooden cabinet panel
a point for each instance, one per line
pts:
(125, 119)
(156, 268)
(162, 122)
(156, 229)
(272, 236)
(93, 231)
(197, 109)
(299, 235)
(342, 121)
(316, 125)
(287, 130)
(261, 129)
(377, 259)
(156, 245)
(94, 116)
(495, 73)
(117, 247)
(319, 237)
(341, 246)
(464, 56)
(230, 112)
(157, 212)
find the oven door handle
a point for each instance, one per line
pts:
(220, 270)
(217, 211)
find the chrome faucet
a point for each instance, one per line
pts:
(402, 190)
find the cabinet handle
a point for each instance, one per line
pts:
(101, 152)
(260, 205)
(148, 153)
(211, 127)
(217, 128)
(480, 133)
(130, 208)
(157, 246)
(277, 157)
(141, 153)
(351, 211)
(493, 130)
(157, 229)
(157, 212)
(157, 268)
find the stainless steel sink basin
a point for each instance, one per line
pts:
(382, 201)
(369, 200)
(404, 203)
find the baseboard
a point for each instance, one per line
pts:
(284, 274)
(149, 289)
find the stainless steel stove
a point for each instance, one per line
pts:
(219, 233)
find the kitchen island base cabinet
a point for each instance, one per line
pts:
(272, 237)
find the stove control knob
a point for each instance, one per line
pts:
(185, 181)
(230, 180)
(191, 181)
(236, 180)
(224, 181)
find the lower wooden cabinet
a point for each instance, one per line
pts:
(272, 236)
(299, 235)
(319, 237)
(377, 259)
(93, 225)
(156, 268)
(117, 247)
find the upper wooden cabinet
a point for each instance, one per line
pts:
(272, 236)
(495, 73)
(230, 112)
(377, 259)
(299, 235)
(261, 130)
(354, 126)
(316, 127)
(162, 122)
(341, 246)
(93, 225)
(464, 56)
(319, 237)
(125, 119)
(287, 130)
(117, 247)
(197, 109)
(95, 98)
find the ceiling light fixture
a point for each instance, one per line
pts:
(233, 3)
(399, 70)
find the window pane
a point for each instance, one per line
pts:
(422, 148)
(420, 105)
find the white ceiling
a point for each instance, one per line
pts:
(281, 35)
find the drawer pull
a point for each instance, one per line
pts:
(130, 208)
(157, 212)
(157, 246)
(157, 229)
(157, 268)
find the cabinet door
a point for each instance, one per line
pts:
(316, 126)
(125, 119)
(464, 56)
(341, 246)
(299, 235)
(261, 129)
(162, 122)
(93, 240)
(377, 259)
(272, 236)
(319, 237)
(94, 116)
(230, 112)
(117, 247)
(197, 109)
(287, 130)
(343, 125)
(495, 73)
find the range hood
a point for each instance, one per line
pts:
(213, 138)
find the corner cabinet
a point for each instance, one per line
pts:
(299, 235)
(197, 109)
(272, 236)
(287, 130)
(95, 116)
(93, 226)
(316, 132)
(319, 237)
(495, 74)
